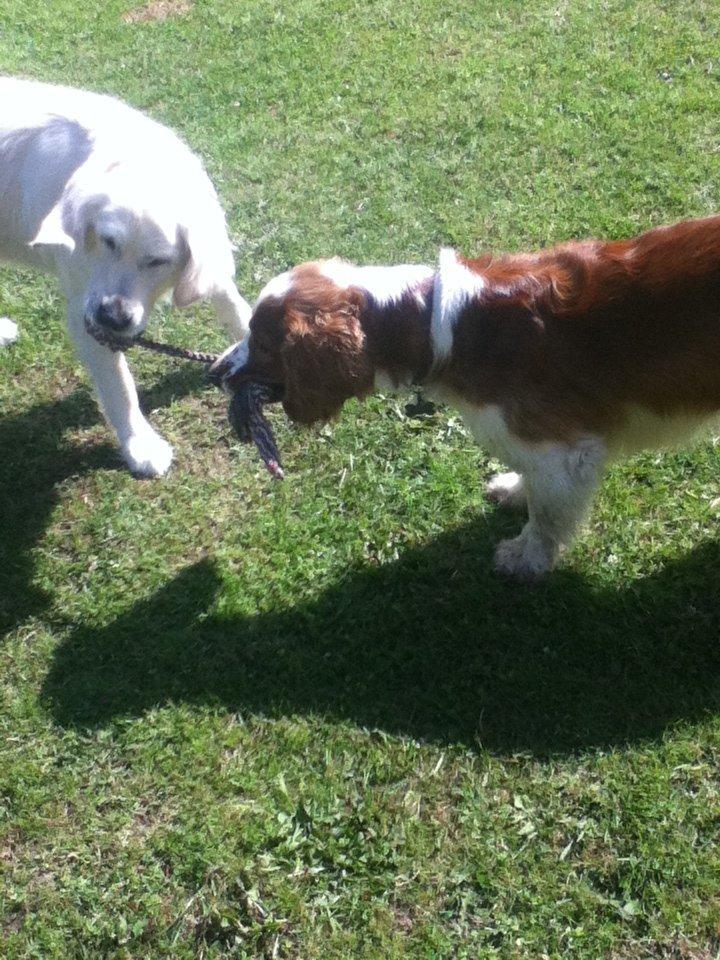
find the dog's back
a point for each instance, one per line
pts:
(26, 104)
(46, 134)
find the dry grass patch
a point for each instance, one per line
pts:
(158, 10)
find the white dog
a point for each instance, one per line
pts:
(122, 211)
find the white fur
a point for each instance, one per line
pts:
(507, 490)
(147, 454)
(233, 360)
(385, 284)
(454, 286)
(121, 210)
(645, 430)
(557, 480)
(278, 287)
(8, 331)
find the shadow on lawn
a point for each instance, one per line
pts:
(35, 458)
(432, 645)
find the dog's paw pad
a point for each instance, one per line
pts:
(148, 455)
(506, 490)
(8, 331)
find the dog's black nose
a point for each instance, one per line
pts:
(113, 314)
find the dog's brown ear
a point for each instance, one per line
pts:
(325, 361)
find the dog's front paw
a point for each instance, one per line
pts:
(8, 331)
(525, 559)
(506, 490)
(147, 454)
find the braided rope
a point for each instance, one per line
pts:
(170, 351)
(246, 406)
(245, 411)
(116, 345)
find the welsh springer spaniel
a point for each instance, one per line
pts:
(558, 361)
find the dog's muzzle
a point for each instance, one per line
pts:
(114, 315)
(110, 323)
(230, 378)
(228, 366)
(217, 374)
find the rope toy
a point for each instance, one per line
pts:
(249, 423)
(245, 411)
(180, 352)
(117, 345)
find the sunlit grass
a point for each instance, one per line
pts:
(243, 719)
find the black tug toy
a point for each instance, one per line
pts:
(245, 411)
(249, 422)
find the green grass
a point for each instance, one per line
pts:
(250, 720)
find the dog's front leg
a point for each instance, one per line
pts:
(144, 451)
(233, 311)
(559, 484)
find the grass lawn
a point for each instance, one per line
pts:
(241, 719)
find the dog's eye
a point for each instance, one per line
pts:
(157, 262)
(110, 244)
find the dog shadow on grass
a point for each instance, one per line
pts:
(36, 458)
(432, 646)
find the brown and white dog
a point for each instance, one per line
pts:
(558, 361)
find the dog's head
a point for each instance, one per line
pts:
(306, 339)
(131, 235)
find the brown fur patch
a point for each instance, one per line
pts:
(312, 342)
(566, 340)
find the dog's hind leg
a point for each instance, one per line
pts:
(144, 451)
(8, 331)
(559, 484)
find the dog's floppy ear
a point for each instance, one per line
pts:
(325, 361)
(52, 232)
(209, 267)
